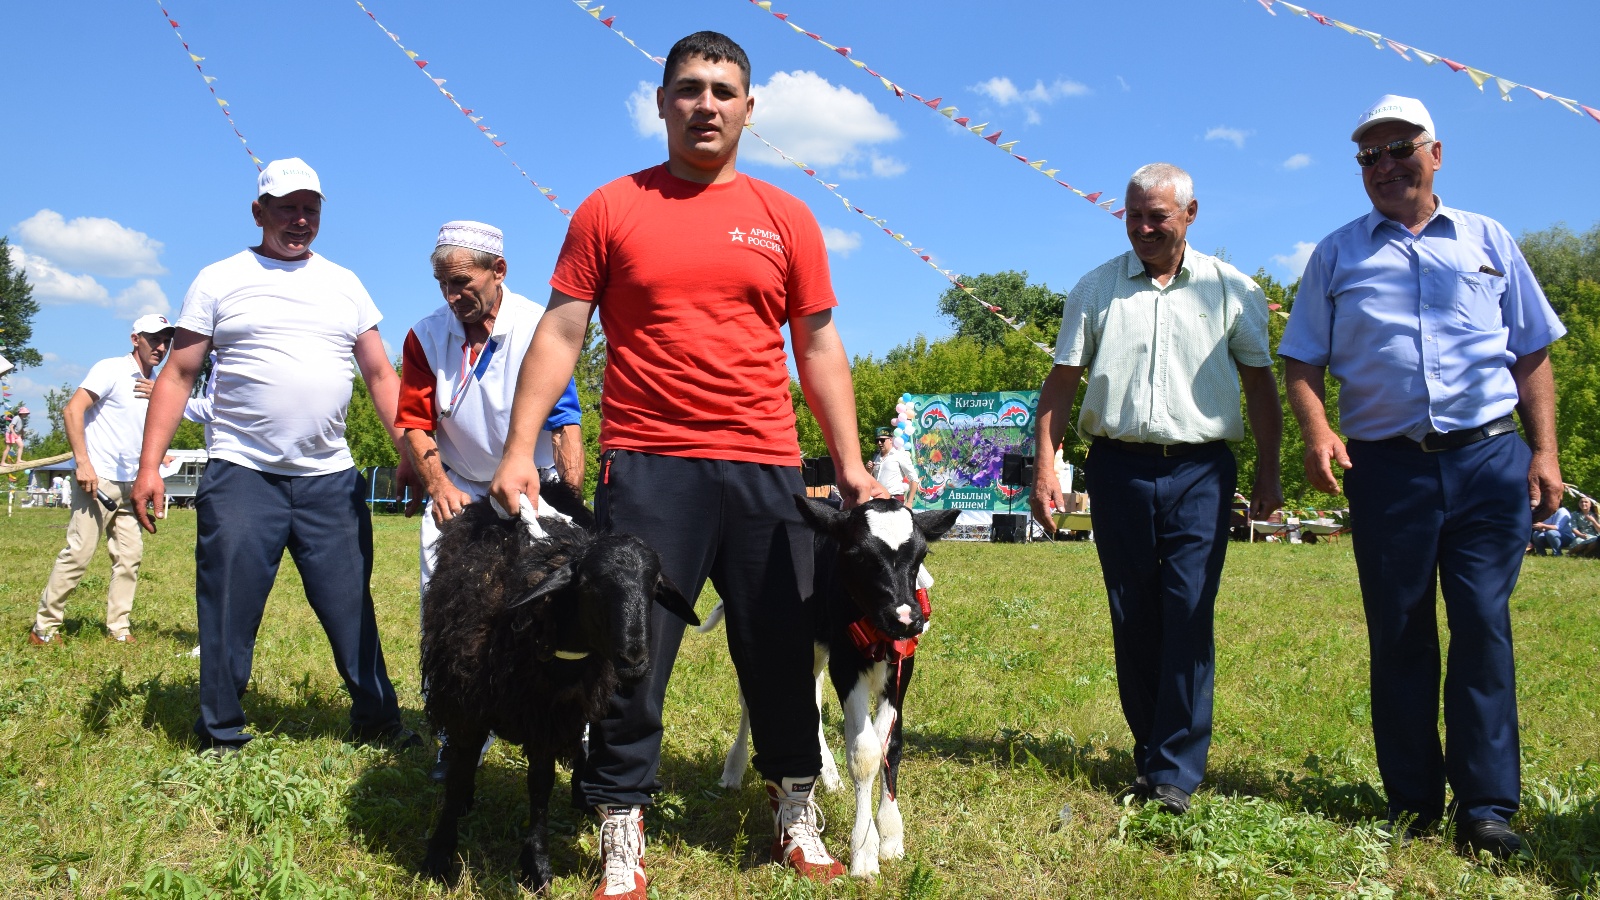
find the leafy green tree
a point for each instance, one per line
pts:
(1034, 306)
(1575, 360)
(55, 440)
(363, 430)
(17, 309)
(189, 436)
(1561, 258)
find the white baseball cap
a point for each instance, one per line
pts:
(473, 236)
(1394, 108)
(152, 324)
(283, 177)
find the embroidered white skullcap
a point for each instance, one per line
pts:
(473, 236)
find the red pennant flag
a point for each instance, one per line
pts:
(1454, 66)
(174, 24)
(959, 284)
(1119, 213)
(859, 210)
(565, 212)
(782, 16)
(811, 172)
(963, 121)
(842, 51)
(1593, 113)
(1319, 17)
(814, 37)
(925, 259)
(483, 128)
(499, 143)
(607, 22)
(422, 63)
(993, 138)
(466, 112)
(1019, 158)
(1093, 197)
(898, 92)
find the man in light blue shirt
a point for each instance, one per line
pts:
(1436, 330)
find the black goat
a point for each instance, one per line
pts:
(866, 617)
(528, 638)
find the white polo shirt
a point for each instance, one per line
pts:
(113, 426)
(285, 335)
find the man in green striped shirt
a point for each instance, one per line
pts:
(1166, 335)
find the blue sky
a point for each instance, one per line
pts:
(119, 178)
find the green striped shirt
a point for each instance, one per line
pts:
(1160, 361)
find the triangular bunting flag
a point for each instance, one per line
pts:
(499, 143)
(438, 82)
(978, 129)
(932, 104)
(1542, 95)
(1376, 39)
(1426, 57)
(422, 64)
(993, 138)
(1051, 172)
(1267, 4)
(1008, 145)
(1478, 76)
(1454, 66)
(1119, 213)
(1399, 48)
(1347, 29)
(1297, 10)
(948, 111)
(1319, 17)
(1505, 87)
(411, 53)
(1092, 197)
(1036, 163)
(209, 78)
(197, 58)
(961, 121)
(1593, 113)
(842, 51)
(858, 63)
(607, 21)
(221, 102)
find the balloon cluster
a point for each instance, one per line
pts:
(903, 422)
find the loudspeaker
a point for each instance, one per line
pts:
(1009, 528)
(818, 471)
(1016, 470)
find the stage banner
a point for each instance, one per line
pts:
(959, 442)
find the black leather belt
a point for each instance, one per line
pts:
(1156, 449)
(1455, 440)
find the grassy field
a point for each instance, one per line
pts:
(1015, 747)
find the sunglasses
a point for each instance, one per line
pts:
(1397, 150)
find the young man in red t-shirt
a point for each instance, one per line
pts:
(695, 268)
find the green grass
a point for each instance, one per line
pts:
(1016, 747)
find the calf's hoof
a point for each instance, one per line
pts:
(439, 867)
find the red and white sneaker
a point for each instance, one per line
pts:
(797, 825)
(621, 853)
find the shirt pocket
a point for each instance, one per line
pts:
(1477, 300)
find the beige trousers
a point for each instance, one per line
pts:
(124, 543)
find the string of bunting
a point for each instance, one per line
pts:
(949, 112)
(469, 113)
(1479, 77)
(880, 223)
(209, 80)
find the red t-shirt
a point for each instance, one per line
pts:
(694, 283)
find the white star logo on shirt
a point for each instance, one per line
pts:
(737, 234)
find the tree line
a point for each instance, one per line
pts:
(984, 354)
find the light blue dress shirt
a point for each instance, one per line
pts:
(1419, 336)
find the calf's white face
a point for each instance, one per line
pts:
(893, 527)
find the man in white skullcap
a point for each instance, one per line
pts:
(458, 378)
(286, 325)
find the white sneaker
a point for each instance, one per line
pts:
(621, 853)
(797, 825)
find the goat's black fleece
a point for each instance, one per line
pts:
(488, 661)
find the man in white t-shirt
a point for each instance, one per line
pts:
(104, 421)
(286, 325)
(893, 468)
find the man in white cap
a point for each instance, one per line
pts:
(285, 324)
(458, 378)
(104, 421)
(1436, 330)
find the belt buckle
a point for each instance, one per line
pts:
(1166, 449)
(1424, 443)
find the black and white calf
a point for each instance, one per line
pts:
(527, 629)
(868, 610)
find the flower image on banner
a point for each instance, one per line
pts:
(959, 443)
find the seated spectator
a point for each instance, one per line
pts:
(1586, 523)
(1554, 533)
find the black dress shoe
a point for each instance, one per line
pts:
(1172, 798)
(1492, 835)
(1139, 789)
(441, 767)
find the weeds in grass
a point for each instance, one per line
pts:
(255, 789)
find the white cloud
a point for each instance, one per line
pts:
(821, 124)
(1005, 92)
(53, 287)
(642, 109)
(1124, 82)
(141, 297)
(93, 245)
(840, 241)
(1233, 136)
(1297, 161)
(1000, 90)
(1295, 263)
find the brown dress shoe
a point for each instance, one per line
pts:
(124, 638)
(54, 639)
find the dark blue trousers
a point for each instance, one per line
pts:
(736, 524)
(1457, 520)
(1161, 528)
(246, 520)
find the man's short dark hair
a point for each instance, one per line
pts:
(711, 46)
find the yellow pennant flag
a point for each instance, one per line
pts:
(1036, 164)
(209, 78)
(859, 64)
(596, 11)
(1051, 172)
(1008, 145)
(948, 112)
(766, 5)
(411, 53)
(1478, 76)
(196, 58)
(978, 129)
(1348, 29)
(256, 161)
(221, 102)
